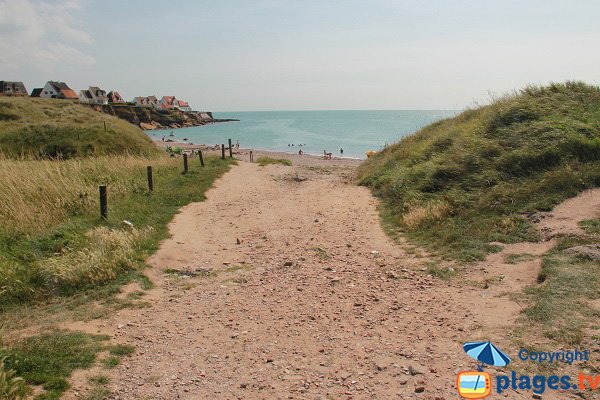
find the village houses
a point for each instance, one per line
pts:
(8, 88)
(93, 95)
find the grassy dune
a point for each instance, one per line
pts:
(53, 128)
(461, 183)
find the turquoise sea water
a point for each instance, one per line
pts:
(355, 131)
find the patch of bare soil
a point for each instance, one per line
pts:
(284, 288)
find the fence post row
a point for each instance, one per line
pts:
(201, 158)
(185, 163)
(103, 202)
(222, 151)
(150, 178)
(230, 149)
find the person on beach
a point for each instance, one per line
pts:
(163, 138)
(341, 151)
(300, 152)
(237, 144)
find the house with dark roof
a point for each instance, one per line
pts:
(58, 90)
(93, 95)
(37, 92)
(115, 97)
(149, 101)
(10, 88)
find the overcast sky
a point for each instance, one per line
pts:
(294, 55)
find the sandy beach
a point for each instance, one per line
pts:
(244, 154)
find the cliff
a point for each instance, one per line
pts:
(149, 118)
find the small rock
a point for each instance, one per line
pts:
(419, 389)
(591, 251)
(288, 264)
(415, 370)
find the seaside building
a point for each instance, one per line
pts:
(183, 105)
(94, 95)
(58, 90)
(9, 88)
(36, 92)
(167, 102)
(115, 97)
(149, 101)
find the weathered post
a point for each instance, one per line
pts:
(251, 156)
(201, 158)
(222, 151)
(185, 163)
(230, 149)
(150, 178)
(103, 202)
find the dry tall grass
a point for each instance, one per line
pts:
(108, 252)
(39, 194)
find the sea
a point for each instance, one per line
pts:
(354, 132)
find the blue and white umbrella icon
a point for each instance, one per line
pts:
(487, 353)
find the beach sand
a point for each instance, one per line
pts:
(244, 154)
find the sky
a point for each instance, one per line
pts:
(302, 55)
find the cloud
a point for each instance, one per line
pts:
(41, 35)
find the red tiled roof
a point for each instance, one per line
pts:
(183, 103)
(69, 94)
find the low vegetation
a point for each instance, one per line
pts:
(563, 306)
(462, 183)
(48, 359)
(50, 128)
(59, 260)
(263, 161)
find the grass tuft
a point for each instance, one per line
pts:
(263, 161)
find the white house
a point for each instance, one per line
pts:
(183, 105)
(149, 101)
(167, 102)
(94, 95)
(57, 90)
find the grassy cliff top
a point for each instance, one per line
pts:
(461, 183)
(51, 128)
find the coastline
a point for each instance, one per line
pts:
(244, 154)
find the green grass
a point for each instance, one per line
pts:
(263, 161)
(463, 182)
(59, 271)
(82, 251)
(516, 258)
(559, 304)
(49, 359)
(591, 226)
(60, 128)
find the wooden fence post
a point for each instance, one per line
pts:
(103, 202)
(201, 158)
(222, 151)
(230, 149)
(185, 163)
(150, 178)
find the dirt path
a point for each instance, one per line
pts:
(284, 288)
